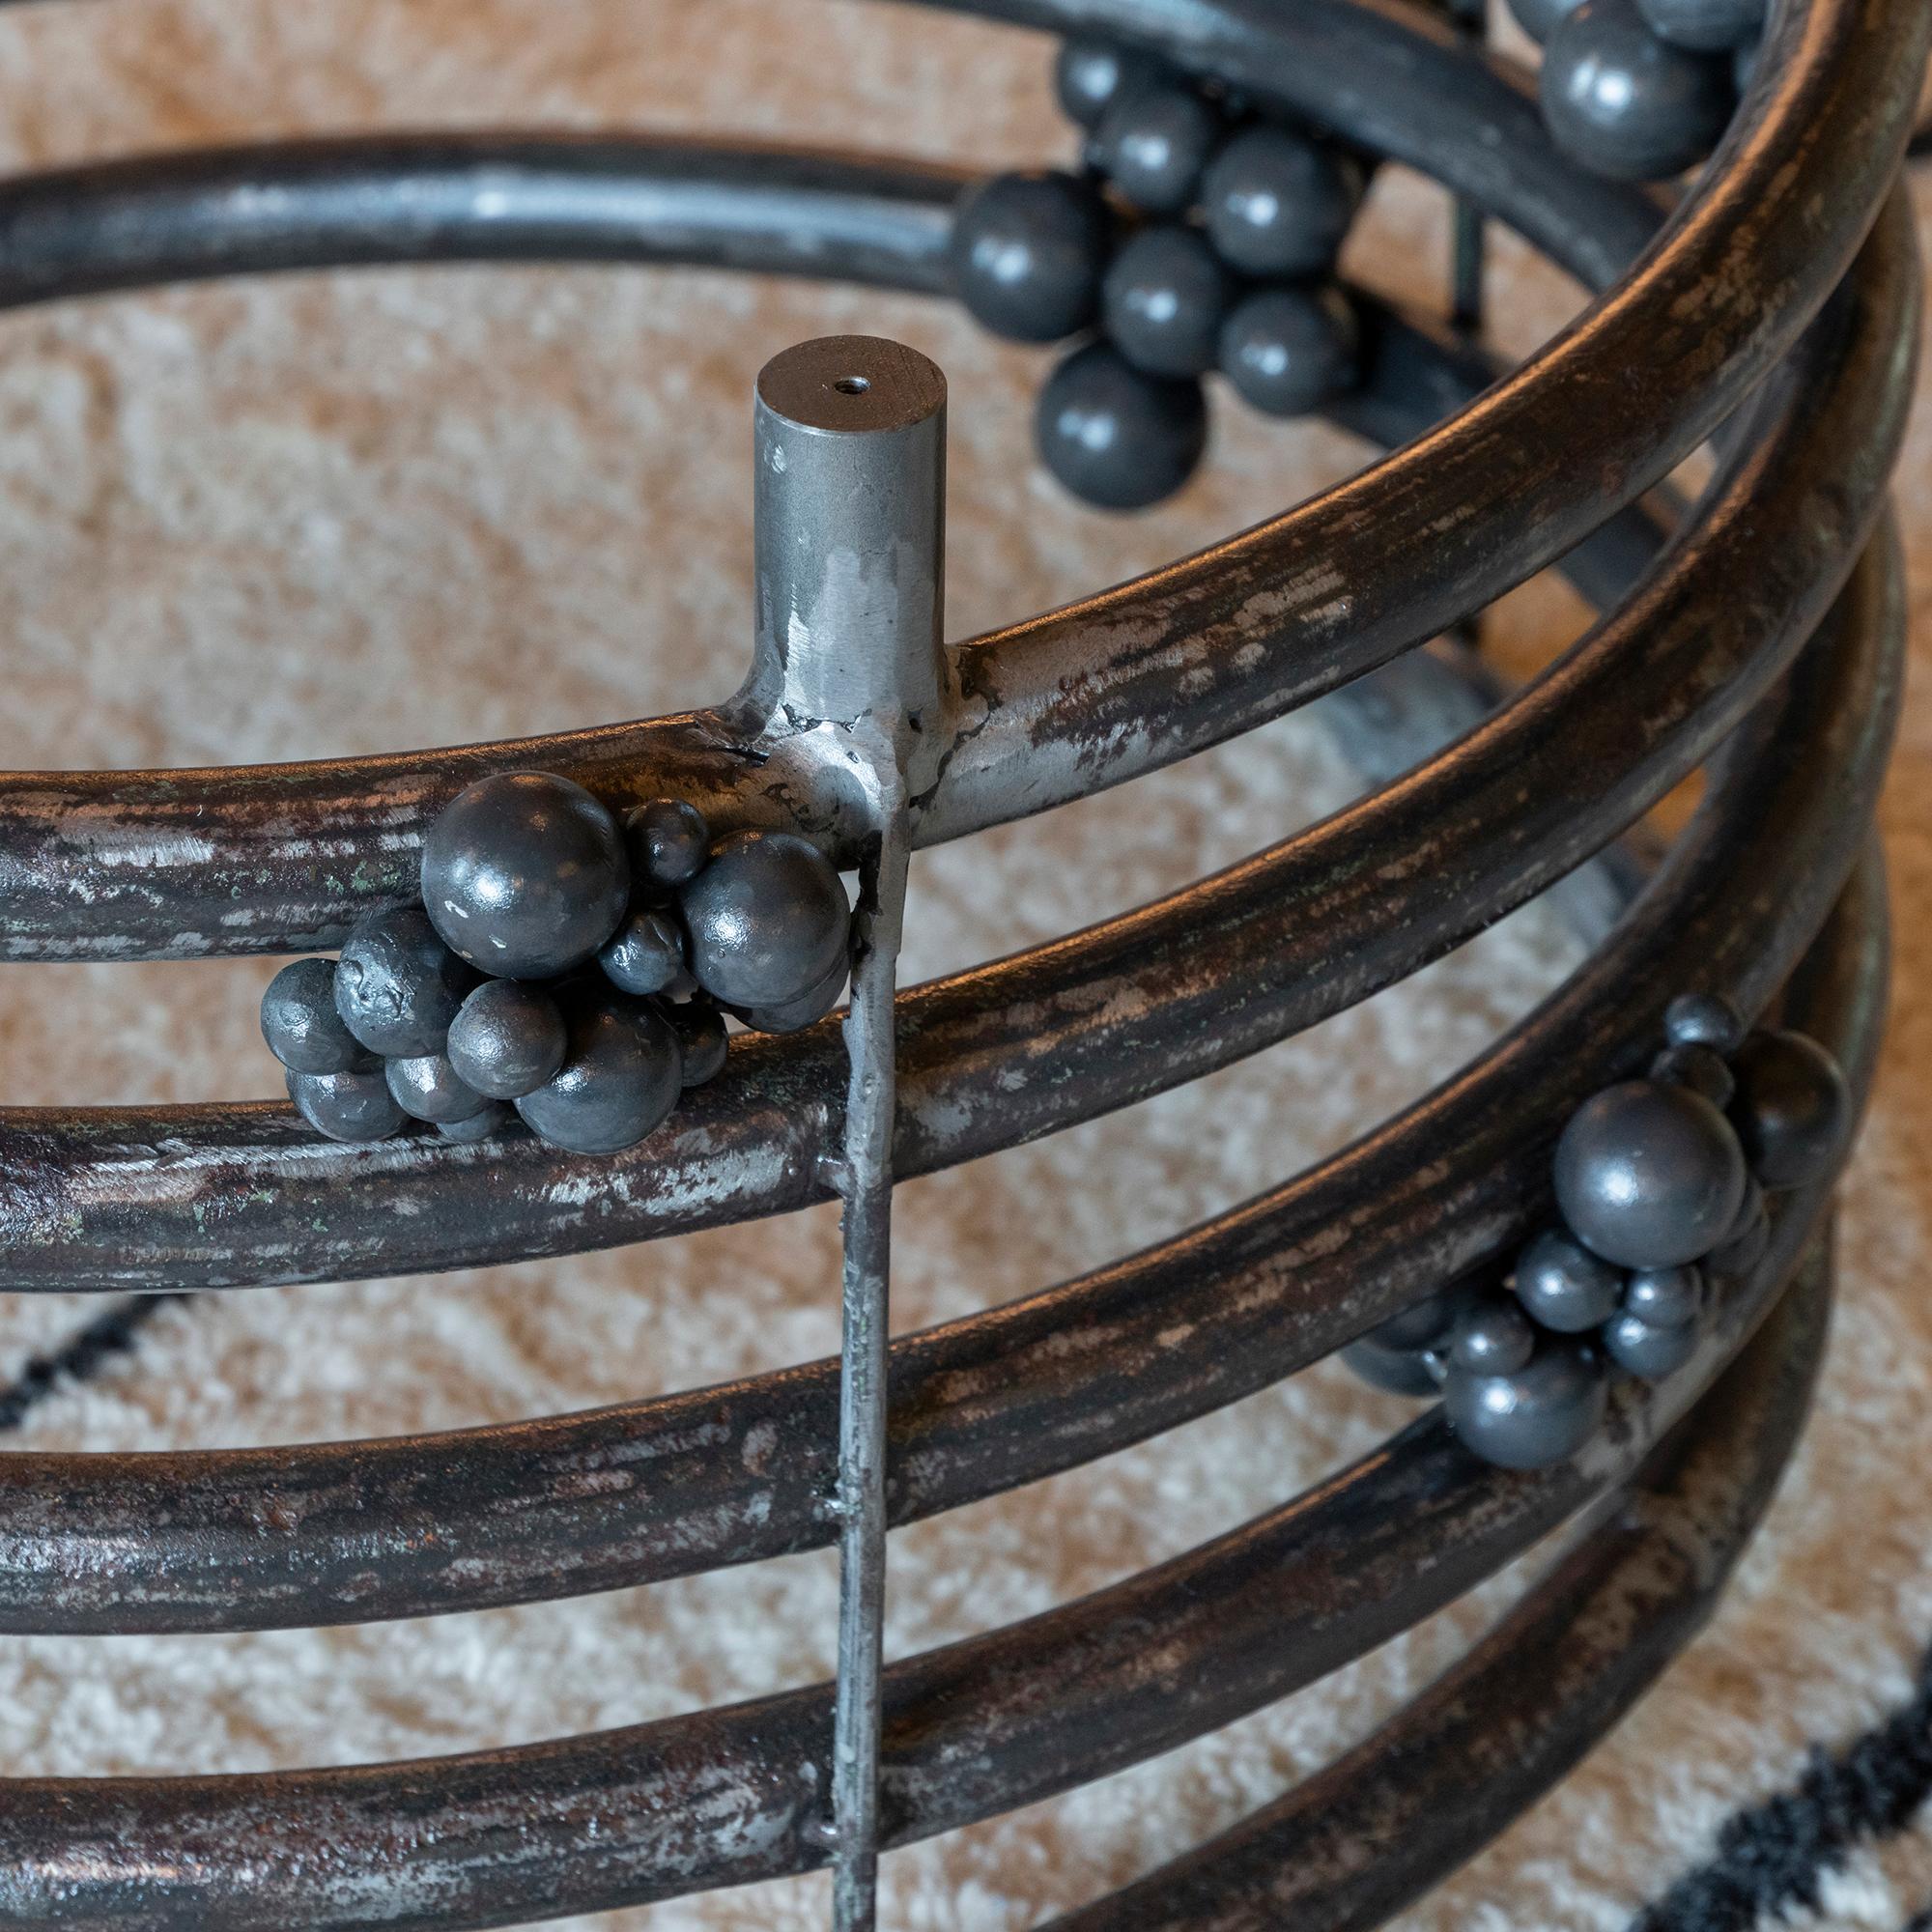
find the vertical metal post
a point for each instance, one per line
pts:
(850, 511)
(1468, 244)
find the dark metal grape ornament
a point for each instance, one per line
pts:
(574, 967)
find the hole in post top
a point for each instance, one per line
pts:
(852, 385)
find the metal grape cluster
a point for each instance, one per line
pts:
(1201, 236)
(1659, 1187)
(560, 964)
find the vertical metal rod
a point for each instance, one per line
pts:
(850, 510)
(1469, 243)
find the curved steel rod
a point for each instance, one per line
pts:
(267, 858)
(729, 1795)
(341, 1533)
(107, 1198)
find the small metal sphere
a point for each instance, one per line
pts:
(1792, 1109)
(1027, 253)
(667, 841)
(346, 1106)
(1563, 1285)
(1649, 1175)
(620, 1077)
(302, 1025)
(1701, 1069)
(1625, 104)
(1287, 351)
(1666, 1297)
(1539, 18)
(427, 1088)
(525, 875)
(1493, 1337)
(1427, 1324)
(1647, 1351)
(645, 954)
(1163, 302)
(1090, 76)
(507, 1039)
(1744, 1245)
(1116, 438)
(766, 920)
(397, 985)
(1152, 143)
(1539, 1415)
(1278, 204)
(702, 1039)
(1394, 1370)
(1703, 1019)
(1705, 26)
(489, 1120)
(793, 1015)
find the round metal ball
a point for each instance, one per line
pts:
(1666, 1297)
(1494, 1337)
(766, 920)
(1277, 204)
(620, 1077)
(1705, 26)
(701, 1038)
(1539, 1415)
(667, 841)
(1792, 1109)
(346, 1106)
(1116, 438)
(1624, 104)
(507, 1039)
(1425, 1323)
(397, 985)
(1152, 143)
(1394, 1370)
(427, 1088)
(1649, 1175)
(525, 875)
(1539, 18)
(304, 1030)
(1744, 1245)
(793, 1015)
(1647, 1351)
(489, 1120)
(1287, 351)
(1703, 1019)
(1563, 1286)
(645, 954)
(1028, 254)
(1090, 76)
(1163, 302)
(1701, 1069)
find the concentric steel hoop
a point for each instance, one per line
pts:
(1755, 633)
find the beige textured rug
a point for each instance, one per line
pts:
(359, 512)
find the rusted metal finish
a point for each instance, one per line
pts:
(219, 1197)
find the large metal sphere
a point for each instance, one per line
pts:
(1163, 302)
(669, 842)
(1539, 1415)
(1277, 204)
(793, 1015)
(428, 1088)
(1287, 351)
(620, 1077)
(1394, 1370)
(1563, 1285)
(766, 920)
(346, 1106)
(1116, 438)
(645, 954)
(507, 1039)
(1705, 26)
(1648, 1176)
(1624, 104)
(1539, 18)
(1028, 254)
(304, 1030)
(1648, 1349)
(1792, 1108)
(702, 1039)
(1493, 1337)
(397, 985)
(1152, 143)
(525, 875)
(1090, 76)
